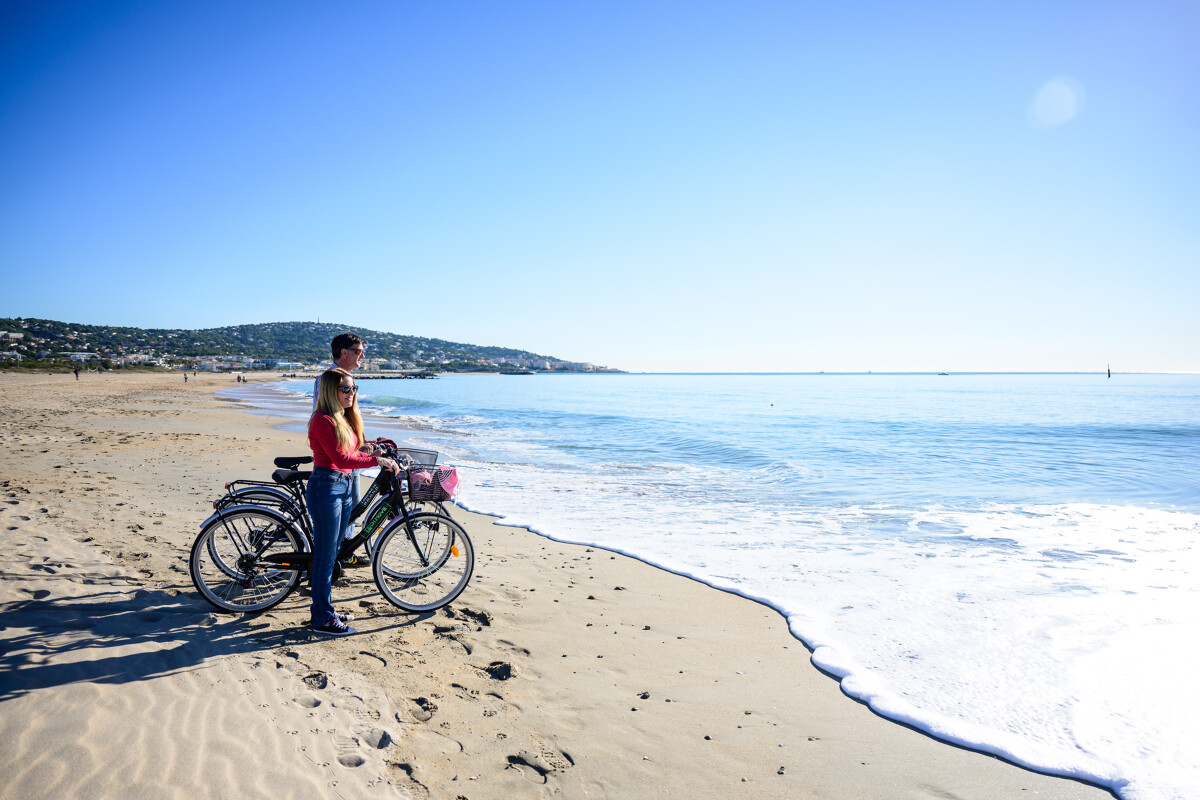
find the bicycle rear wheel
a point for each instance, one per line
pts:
(227, 565)
(254, 496)
(423, 561)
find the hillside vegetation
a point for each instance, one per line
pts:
(304, 342)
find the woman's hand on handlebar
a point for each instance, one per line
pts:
(389, 465)
(377, 448)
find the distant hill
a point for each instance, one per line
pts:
(304, 342)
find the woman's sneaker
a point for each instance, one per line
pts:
(345, 616)
(335, 628)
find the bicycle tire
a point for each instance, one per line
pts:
(424, 561)
(227, 569)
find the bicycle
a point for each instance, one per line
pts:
(287, 491)
(249, 558)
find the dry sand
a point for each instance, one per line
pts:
(562, 671)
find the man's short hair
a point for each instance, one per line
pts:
(345, 341)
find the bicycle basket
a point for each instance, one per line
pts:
(410, 457)
(430, 482)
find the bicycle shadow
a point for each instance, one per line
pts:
(116, 637)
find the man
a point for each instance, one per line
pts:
(349, 349)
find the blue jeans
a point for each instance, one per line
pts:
(329, 498)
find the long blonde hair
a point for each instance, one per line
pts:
(347, 422)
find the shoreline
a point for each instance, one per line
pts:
(529, 684)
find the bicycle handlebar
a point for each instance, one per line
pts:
(390, 450)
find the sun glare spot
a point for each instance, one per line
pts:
(1056, 103)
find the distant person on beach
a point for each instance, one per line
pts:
(349, 349)
(77, 373)
(335, 434)
(185, 377)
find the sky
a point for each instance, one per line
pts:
(652, 186)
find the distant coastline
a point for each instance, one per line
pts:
(273, 346)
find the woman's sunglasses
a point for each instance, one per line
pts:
(348, 389)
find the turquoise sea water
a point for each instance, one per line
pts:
(1005, 561)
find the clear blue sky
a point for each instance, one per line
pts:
(664, 185)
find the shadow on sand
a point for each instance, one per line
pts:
(115, 636)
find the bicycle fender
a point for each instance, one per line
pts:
(264, 510)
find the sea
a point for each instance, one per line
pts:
(1008, 562)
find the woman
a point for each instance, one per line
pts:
(335, 433)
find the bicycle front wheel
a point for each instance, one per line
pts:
(227, 560)
(423, 561)
(417, 507)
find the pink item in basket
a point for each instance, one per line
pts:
(448, 478)
(437, 483)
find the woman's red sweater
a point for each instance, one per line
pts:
(322, 438)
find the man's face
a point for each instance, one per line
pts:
(352, 357)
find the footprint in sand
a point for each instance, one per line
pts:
(382, 660)
(377, 738)
(317, 680)
(481, 618)
(450, 633)
(423, 709)
(308, 701)
(525, 763)
(536, 766)
(498, 670)
(347, 755)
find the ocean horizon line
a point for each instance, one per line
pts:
(940, 373)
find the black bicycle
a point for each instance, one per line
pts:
(286, 493)
(249, 557)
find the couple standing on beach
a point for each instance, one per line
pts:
(340, 449)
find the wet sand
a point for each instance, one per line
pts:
(562, 671)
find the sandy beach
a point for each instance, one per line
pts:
(562, 671)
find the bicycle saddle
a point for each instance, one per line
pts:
(286, 476)
(291, 462)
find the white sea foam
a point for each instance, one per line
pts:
(990, 638)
